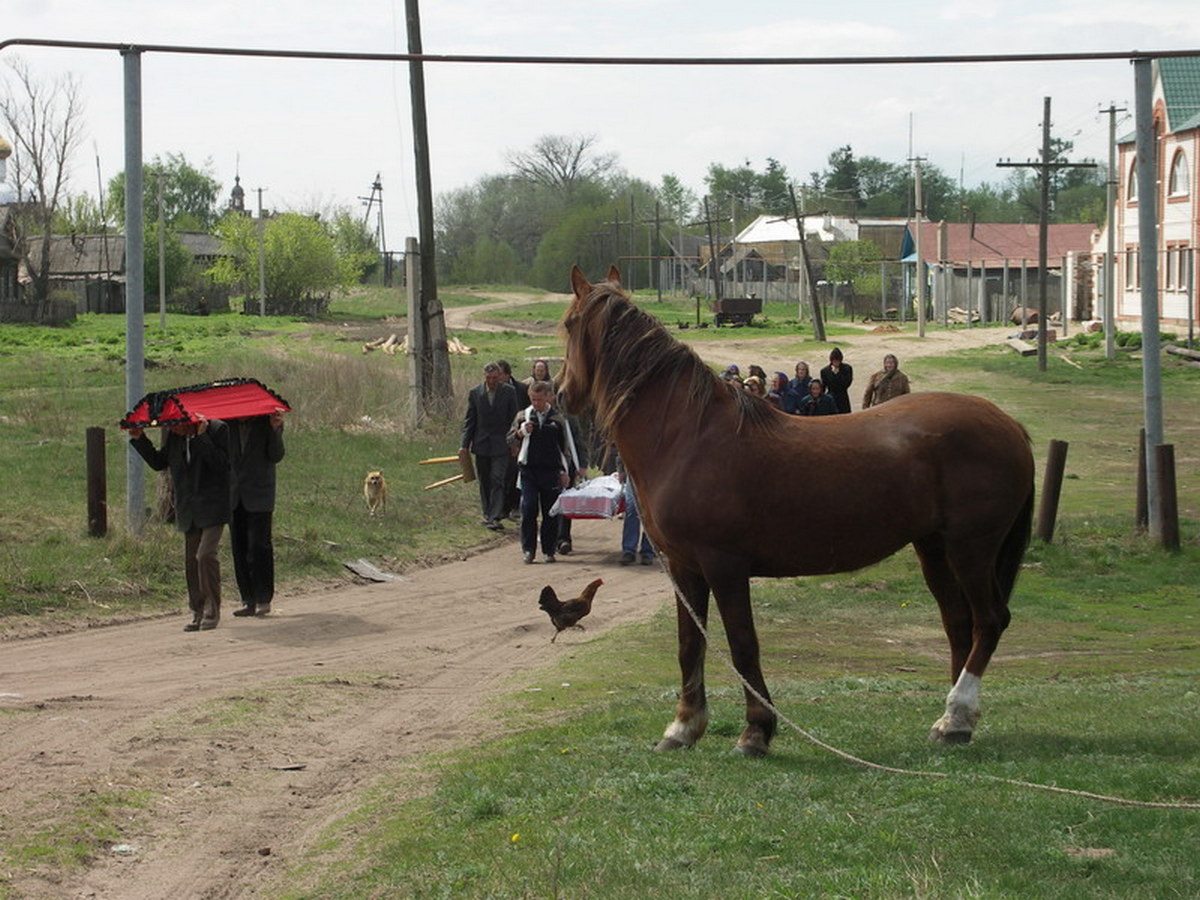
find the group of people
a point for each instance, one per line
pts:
(827, 395)
(518, 436)
(222, 473)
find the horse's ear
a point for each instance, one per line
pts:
(579, 282)
(614, 275)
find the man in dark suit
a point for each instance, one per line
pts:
(491, 408)
(512, 491)
(255, 446)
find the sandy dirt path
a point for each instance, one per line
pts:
(342, 687)
(247, 741)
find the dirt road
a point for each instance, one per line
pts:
(248, 740)
(242, 744)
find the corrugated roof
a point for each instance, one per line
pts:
(995, 242)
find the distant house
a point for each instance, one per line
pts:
(1176, 112)
(88, 268)
(765, 257)
(990, 268)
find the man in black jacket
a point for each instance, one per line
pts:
(255, 446)
(491, 407)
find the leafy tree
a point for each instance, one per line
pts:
(177, 267)
(756, 192)
(79, 214)
(300, 258)
(489, 261)
(678, 201)
(44, 122)
(857, 264)
(189, 194)
(353, 242)
(841, 181)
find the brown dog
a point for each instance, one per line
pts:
(375, 492)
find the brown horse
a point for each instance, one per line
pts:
(950, 474)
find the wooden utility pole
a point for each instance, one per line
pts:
(1045, 167)
(436, 355)
(810, 285)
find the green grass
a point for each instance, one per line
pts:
(1087, 693)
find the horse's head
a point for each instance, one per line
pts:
(583, 332)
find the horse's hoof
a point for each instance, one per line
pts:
(949, 737)
(751, 749)
(670, 744)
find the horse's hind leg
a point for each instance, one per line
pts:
(962, 703)
(691, 713)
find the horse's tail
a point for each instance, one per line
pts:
(1012, 551)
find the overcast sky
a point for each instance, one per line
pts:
(315, 133)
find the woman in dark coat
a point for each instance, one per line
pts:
(838, 376)
(197, 455)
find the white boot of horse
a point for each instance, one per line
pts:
(681, 733)
(962, 712)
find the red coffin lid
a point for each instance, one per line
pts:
(229, 398)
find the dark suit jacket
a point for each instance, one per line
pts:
(485, 426)
(199, 474)
(254, 448)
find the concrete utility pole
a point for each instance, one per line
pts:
(1045, 167)
(135, 281)
(1110, 261)
(1148, 188)
(162, 262)
(918, 215)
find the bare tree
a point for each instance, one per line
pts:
(562, 161)
(44, 121)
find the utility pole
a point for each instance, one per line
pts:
(1148, 187)
(162, 263)
(135, 279)
(918, 215)
(1045, 167)
(262, 258)
(1110, 267)
(810, 286)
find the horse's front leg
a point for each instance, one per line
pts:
(691, 713)
(733, 601)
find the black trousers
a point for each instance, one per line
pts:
(253, 555)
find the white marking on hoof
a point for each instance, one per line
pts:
(962, 712)
(682, 733)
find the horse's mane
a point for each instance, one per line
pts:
(632, 350)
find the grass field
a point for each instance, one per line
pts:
(1094, 687)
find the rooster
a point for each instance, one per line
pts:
(567, 615)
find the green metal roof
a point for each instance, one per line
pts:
(1180, 79)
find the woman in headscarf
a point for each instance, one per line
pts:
(886, 384)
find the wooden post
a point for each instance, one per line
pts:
(1168, 509)
(1056, 460)
(97, 483)
(1142, 509)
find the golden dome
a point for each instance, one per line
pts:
(5, 148)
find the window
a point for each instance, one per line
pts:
(1177, 185)
(1132, 188)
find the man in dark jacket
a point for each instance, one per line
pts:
(255, 446)
(197, 455)
(491, 407)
